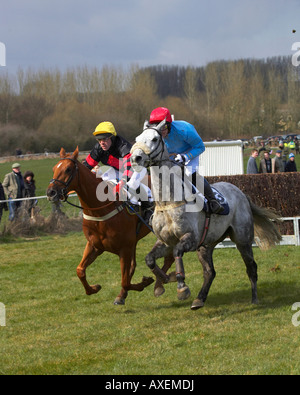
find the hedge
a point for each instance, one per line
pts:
(280, 191)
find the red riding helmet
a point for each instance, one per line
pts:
(159, 114)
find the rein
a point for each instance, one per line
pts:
(65, 196)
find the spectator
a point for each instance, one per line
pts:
(265, 165)
(262, 148)
(252, 165)
(296, 145)
(18, 152)
(2, 205)
(277, 163)
(14, 188)
(292, 145)
(29, 183)
(285, 153)
(291, 165)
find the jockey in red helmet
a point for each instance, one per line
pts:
(185, 145)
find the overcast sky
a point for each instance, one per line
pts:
(70, 33)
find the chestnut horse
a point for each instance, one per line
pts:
(107, 225)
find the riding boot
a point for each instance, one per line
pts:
(147, 211)
(215, 206)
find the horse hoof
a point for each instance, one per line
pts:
(119, 301)
(159, 291)
(183, 293)
(93, 289)
(197, 304)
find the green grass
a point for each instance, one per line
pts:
(52, 327)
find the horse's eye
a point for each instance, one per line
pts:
(155, 139)
(68, 170)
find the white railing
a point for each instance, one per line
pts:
(226, 243)
(12, 158)
(293, 240)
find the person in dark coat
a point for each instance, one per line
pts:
(291, 165)
(2, 205)
(252, 165)
(29, 183)
(14, 188)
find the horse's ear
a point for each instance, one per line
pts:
(62, 153)
(161, 125)
(146, 125)
(76, 153)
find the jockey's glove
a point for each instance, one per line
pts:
(180, 159)
(118, 189)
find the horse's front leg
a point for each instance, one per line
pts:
(159, 250)
(187, 243)
(159, 288)
(89, 256)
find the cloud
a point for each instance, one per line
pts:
(148, 32)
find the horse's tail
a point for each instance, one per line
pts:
(266, 231)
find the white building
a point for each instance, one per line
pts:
(222, 158)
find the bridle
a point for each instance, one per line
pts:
(154, 160)
(64, 191)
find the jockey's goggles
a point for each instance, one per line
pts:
(103, 139)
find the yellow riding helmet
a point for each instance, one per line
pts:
(104, 130)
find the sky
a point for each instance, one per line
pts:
(70, 33)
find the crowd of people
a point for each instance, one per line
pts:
(16, 186)
(278, 164)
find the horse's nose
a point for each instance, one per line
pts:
(51, 194)
(138, 159)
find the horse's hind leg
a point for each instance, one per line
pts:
(205, 257)
(247, 255)
(128, 265)
(89, 256)
(127, 274)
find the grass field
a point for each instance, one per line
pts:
(52, 327)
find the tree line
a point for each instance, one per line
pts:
(48, 108)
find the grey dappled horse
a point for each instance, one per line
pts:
(180, 229)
